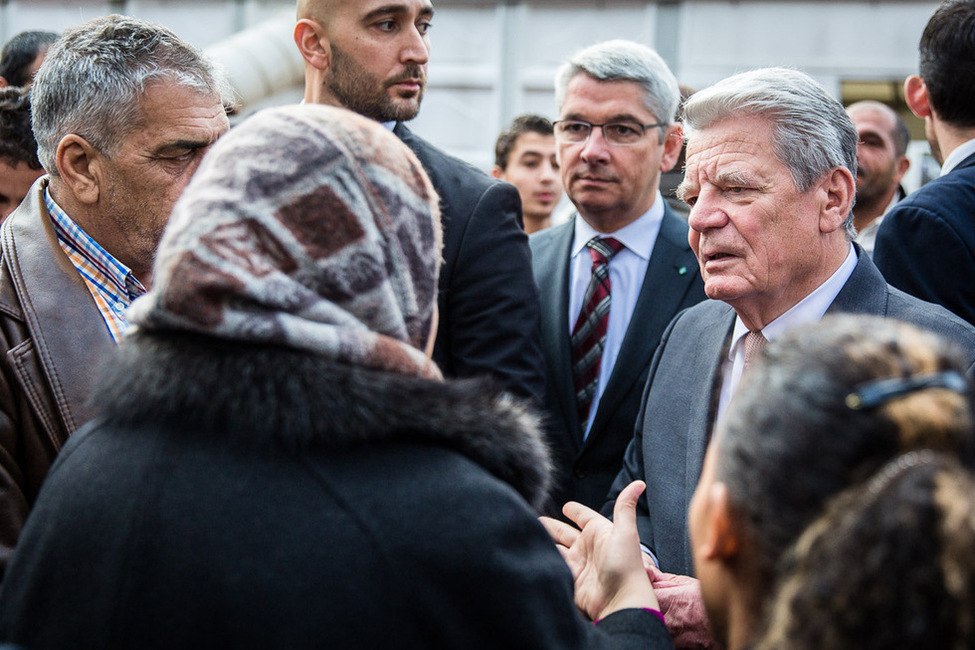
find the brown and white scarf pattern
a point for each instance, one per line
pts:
(310, 227)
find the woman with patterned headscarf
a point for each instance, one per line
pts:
(277, 462)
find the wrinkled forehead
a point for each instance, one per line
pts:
(733, 144)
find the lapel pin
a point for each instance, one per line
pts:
(682, 270)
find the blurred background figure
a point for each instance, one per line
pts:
(669, 180)
(23, 55)
(19, 166)
(881, 164)
(525, 156)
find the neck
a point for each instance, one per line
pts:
(534, 223)
(949, 137)
(315, 91)
(866, 211)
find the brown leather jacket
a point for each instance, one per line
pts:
(52, 338)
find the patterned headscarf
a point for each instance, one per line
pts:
(309, 227)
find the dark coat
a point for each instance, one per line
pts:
(926, 243)
(52, 338)
(586, 468)
(679, 404)
(251, 496)
(489, 317)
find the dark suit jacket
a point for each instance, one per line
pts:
(677, 413)
(926, 243)
(489, 316)
(673, 282)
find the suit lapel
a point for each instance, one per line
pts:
(671, 269)
(552, 271)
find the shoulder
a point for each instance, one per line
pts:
(932, 317)
(449, 174)
(946, 198)
(544, 240)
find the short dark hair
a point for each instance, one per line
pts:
(17, 143)
(947, 64)
(522, 124)
(20, 51)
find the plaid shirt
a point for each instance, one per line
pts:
(111, 283)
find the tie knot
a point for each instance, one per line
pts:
(754, 342)
(602, 249)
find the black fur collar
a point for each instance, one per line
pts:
(262, 395)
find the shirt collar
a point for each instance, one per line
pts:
(638, 236)
(808, 310)
(961, 152)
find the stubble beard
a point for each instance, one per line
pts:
(359, 91)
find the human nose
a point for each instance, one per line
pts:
(595, 148)
(706, 213)
(416, 49)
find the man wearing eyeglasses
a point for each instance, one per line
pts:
(613, 276)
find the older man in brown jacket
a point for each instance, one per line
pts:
(80, 248)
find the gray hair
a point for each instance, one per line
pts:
(93, 79)
(811, 132)
(626, 61)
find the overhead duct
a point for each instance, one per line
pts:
(261, 61)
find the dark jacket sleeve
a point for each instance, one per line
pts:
(492, 320)
(921, 252)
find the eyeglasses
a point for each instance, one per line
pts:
(614, 132)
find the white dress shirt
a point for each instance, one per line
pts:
(627, 270)
(808, 310)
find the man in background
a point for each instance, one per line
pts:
(524, 155)
(881, 164)
(23, 55)
(613, 276)
(371, 57)
(926, 245)
(19, 167)
(123, 111)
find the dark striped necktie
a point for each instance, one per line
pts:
(589, 334)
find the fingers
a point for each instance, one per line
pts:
(563, 534)
(581, 514)
(624, 511)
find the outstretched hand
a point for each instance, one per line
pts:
(605, 556)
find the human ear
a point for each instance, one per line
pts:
(721, 540)
(312, 43)
(900, 168)
(916, 96)
(673, 141)
(839, 188)
(79, 165)
(497, 172)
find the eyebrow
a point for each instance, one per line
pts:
(180, 145)
(734, 177)
(396, 9)
(620, 117)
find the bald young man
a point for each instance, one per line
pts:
(371, 56)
